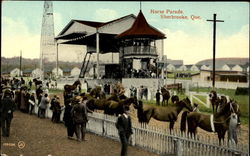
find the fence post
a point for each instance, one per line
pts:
(133, 137)
(191, 97)
(208, 101)
(178, 147)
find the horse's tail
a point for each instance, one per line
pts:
(183, 121)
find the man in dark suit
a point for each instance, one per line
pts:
(158, 96)
(79, 115)
(7, 107)
(124, 126)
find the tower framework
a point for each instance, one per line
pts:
(47, 45)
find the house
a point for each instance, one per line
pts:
(204, 67)
(225, 67)
(37, 73)
(193, 67)
(170, 67)
(75, 72)
(237, 68)
(16, 72)
(181, 68)
(57, 71)
(227, 76)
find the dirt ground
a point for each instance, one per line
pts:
(32, 136)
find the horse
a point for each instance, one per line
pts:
(110, 107)
(218, 122)
(118, 107)
(97, 92)
(69, 88)
(167, 114)
(216, 101)
(37, 82)
(165, 95)
(175, 99)
(116, 97)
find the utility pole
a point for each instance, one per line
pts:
(214, 46)
(20, 74)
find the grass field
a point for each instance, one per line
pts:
(243, 101)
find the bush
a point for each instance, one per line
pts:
(242, 91)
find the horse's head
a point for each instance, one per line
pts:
(187, 104)
(78, 82)
(212, 95)
(230, 108)
(138, 104)
(175, 99)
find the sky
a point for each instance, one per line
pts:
(189, 39)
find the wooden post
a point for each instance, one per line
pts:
(214, 46)
(97, 53)
(56, 59)
(20, 73)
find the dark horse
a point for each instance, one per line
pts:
(165, 95)
(218, 122)
(168, 113)
(118, 107)
(69, 88)
(37, 82)
(216, 101)
(110, 107)
(97, 93)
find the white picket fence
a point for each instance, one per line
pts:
(159, 140)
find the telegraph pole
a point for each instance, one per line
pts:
(214, 46)
(20, 64)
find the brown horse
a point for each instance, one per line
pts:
(216, 101)
(110, 107)
(218, 122)
(116, 97)
(118, 107)
(69, 88)
(165, 95)
(175, 99)
(97, 93)
(168, 113)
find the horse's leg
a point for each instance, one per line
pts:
(171, 126)
(213, 107)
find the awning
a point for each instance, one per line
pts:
(107, 42)
(71, 35)
(141, 56)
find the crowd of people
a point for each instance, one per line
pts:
(35, 99)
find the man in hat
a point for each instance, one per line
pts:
(79, 115)
(158, 96)
(7, 107)
(124, 126)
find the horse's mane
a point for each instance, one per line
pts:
(225, 108)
